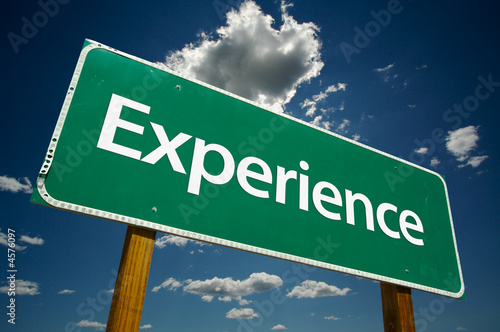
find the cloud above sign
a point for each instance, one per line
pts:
(250, 58)
(461, 143)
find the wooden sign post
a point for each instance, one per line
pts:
(397, 308)
(130, 288)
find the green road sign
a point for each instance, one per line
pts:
(141, 145)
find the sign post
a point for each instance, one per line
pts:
(397, 308)
(130, 289)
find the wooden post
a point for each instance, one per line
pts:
(397, 307)
(130, 288)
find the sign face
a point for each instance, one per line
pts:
(138, 144)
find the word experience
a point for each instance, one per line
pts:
(322, 192)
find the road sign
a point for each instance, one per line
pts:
(139, 144)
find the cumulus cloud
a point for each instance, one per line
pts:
(175, 240)
(314, 289)
(225, 289)
(228, 289)
(331, 318)
(23, 287)
(252, 59)
(435, 161)
(85, 323)
(278, 327)
(66, 291)
(462, 142)
(14, 185)
(145, 327)
(245, 313)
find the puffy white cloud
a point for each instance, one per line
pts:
(245, 313)
(225, 289)
(331, 318)
(228, 289)
(85, 323)
(14, 185)
(145, 327)
(462, 142)
(278, 327)
(23, 287)
(66, 291)
(314, 289)
(252, 59)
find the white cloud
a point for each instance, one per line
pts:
(435, 161)
(314, 289)
(475, 161)
(175, 240)
(32, 240)
(384, 69)
(145, 327)
(325, 124)
(23, 287)
(14, 185)
(245, 313)
(311, 105)
(460, 328)
(169, 284)
(331, 318)
(66, 291)
(278, 327)
(356, 137)
(412, 105)
(422, 150)
(85, 323)
(342, 128)
(462, 142)
(207, 298)
(228, 288)
(250, 58)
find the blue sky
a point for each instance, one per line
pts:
(422, 84)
